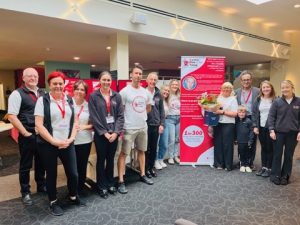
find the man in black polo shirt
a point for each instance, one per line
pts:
(21, 105)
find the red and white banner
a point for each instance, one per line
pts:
(199, 74)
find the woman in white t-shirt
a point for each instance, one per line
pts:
(172, 121)
(260, 113)
(83, 140)
(164, 137)
(224, 131)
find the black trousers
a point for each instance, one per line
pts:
(82, 156)
(244, 153)
(285, 142)
(253, 146)
(28, 151)
(223, 145)
(266, 147)
(105, 161)
(152, 146)
(49, 154)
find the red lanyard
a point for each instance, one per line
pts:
(80, 111)
(248, 97)
(63, 108)
(34, 98)
(107, 100)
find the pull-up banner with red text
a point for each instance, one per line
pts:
(199, 75)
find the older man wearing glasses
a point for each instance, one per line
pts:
(246, 95)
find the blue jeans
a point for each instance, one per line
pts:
(163, 144)
(172, 122)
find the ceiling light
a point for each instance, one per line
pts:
(270, 24)
(256, 19)
(108, 48)
(258, 2)
(206, 3)
(229, 11)
(76, 58)
(297, 6)
(93, 65)
(47, 49)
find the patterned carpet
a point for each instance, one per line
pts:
(202, 195)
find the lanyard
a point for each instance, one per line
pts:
(248, 97)
(34, 98)
(63, 108)
(80, 111)
(107, 100)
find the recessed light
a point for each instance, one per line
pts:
(297, 6)
(47, 49)
(93, 65)
(108, 48)
(258, 2)
(76, 58)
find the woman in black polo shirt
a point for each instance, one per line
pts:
(284, 125)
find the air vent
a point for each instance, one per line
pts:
(203, 23)
(157, 11)
(123, 2)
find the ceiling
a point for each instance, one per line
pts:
(27, 39)
(278, 13)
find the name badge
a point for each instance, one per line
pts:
(110, 119)
(63, 125)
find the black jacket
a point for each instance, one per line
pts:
(285, 117)
(243, 131)
(157, 115)
(98, 113)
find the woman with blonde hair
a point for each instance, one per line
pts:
(284, 123)
(224, 131)
(172, 121)
(260, 112)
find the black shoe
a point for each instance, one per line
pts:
(148, 174)
(122, 188)
(276, 180)
(267, 173)
(42, 189)
(77, 201)
(103, 193)
(145, 180)
(284, 180)
(252, 167)
(112, 190)
(55, 209)
(261, 171)
(153, 173)
(26, 199)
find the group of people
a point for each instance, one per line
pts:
(54, 125)
(250, 112)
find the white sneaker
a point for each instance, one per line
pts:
(171, 161)
(177, 160)
(242, 169)
(248, 169)
(163, 165)
(157, 165)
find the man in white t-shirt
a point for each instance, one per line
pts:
(136, 101)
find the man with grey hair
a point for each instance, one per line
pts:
(155, 121)
(247, 95)
(21, 104)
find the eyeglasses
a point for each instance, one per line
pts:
(246, 80)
